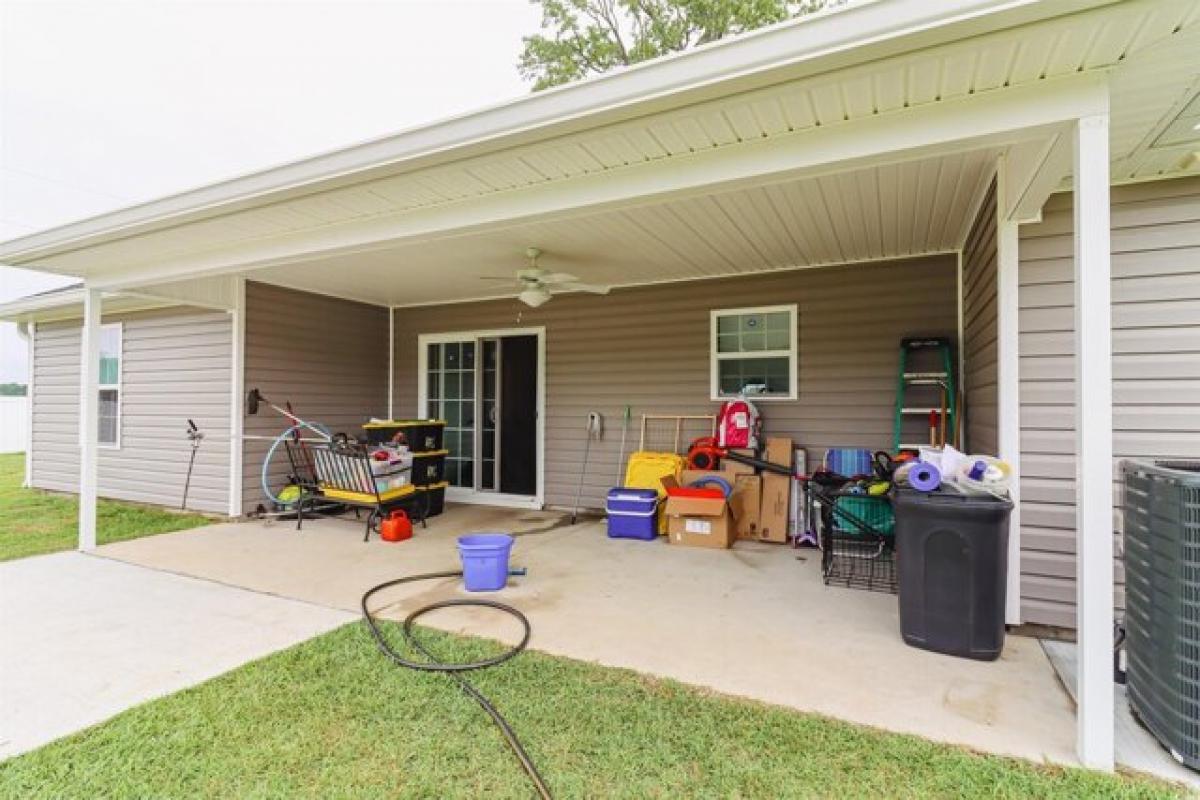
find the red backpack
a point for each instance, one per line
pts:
(738, 424)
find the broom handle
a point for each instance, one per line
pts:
(621, 456)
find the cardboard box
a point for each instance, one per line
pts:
(778, 450)
(744, 504)
(776, 492)
(697, 521)
(710, 526)
(737, 468)
(773, 512)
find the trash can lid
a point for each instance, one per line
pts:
(950, 498)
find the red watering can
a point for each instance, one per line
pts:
(396, 527)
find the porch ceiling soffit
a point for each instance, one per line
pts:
(992, 119)
(1154, 129)
(900, 210)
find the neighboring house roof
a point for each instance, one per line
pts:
(803, 79)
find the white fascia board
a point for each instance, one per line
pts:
(69, 304)
(28, 309)
(981, 120)
(835, 39)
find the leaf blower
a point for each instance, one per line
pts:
(705, 454)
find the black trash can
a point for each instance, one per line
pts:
(952, 560)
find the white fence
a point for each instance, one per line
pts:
(14, 424)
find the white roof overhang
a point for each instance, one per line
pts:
(67, 304)
(859, 92)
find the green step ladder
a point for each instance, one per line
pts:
(942, 379)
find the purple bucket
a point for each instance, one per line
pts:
(485, 560)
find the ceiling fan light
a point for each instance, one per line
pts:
(534, 296)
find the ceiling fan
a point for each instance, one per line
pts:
(538, 285)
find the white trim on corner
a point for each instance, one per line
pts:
(391, 370)
(458, 494)
(31, 344)
(792, 354)
(960, 348)
(237, 390)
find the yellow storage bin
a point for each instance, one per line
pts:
(646, 469)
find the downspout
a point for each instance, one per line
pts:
(28, 332)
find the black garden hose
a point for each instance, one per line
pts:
(456, 670)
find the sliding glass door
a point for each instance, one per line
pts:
(486, 387)
(450, 376)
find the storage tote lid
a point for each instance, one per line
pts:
(950, 499)
(623, 493)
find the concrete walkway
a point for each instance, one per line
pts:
(755, 621)
(83, 638)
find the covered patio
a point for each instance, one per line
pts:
(859, 146)
(753, 622)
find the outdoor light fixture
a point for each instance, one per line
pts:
(534, 296)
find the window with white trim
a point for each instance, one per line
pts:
(111, 359)
(753, 352)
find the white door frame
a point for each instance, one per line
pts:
(458, 494)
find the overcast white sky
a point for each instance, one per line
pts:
(105, 103)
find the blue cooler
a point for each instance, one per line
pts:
(631, 513)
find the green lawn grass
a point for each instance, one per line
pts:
(332, 718)
(33, 522)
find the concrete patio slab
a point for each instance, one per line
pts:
(83, 638)
(1136, 747)
(755, 621)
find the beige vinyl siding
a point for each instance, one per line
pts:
(648, 347)
(1156, 367)
(979, 329)
(175, 366)
(328, 357)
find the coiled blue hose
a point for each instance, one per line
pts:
(713, 480)
(315, 427)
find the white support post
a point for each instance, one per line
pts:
(1008, 389)
(89, 417)
(391, 370)
(1093, 444)
(237, 383)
